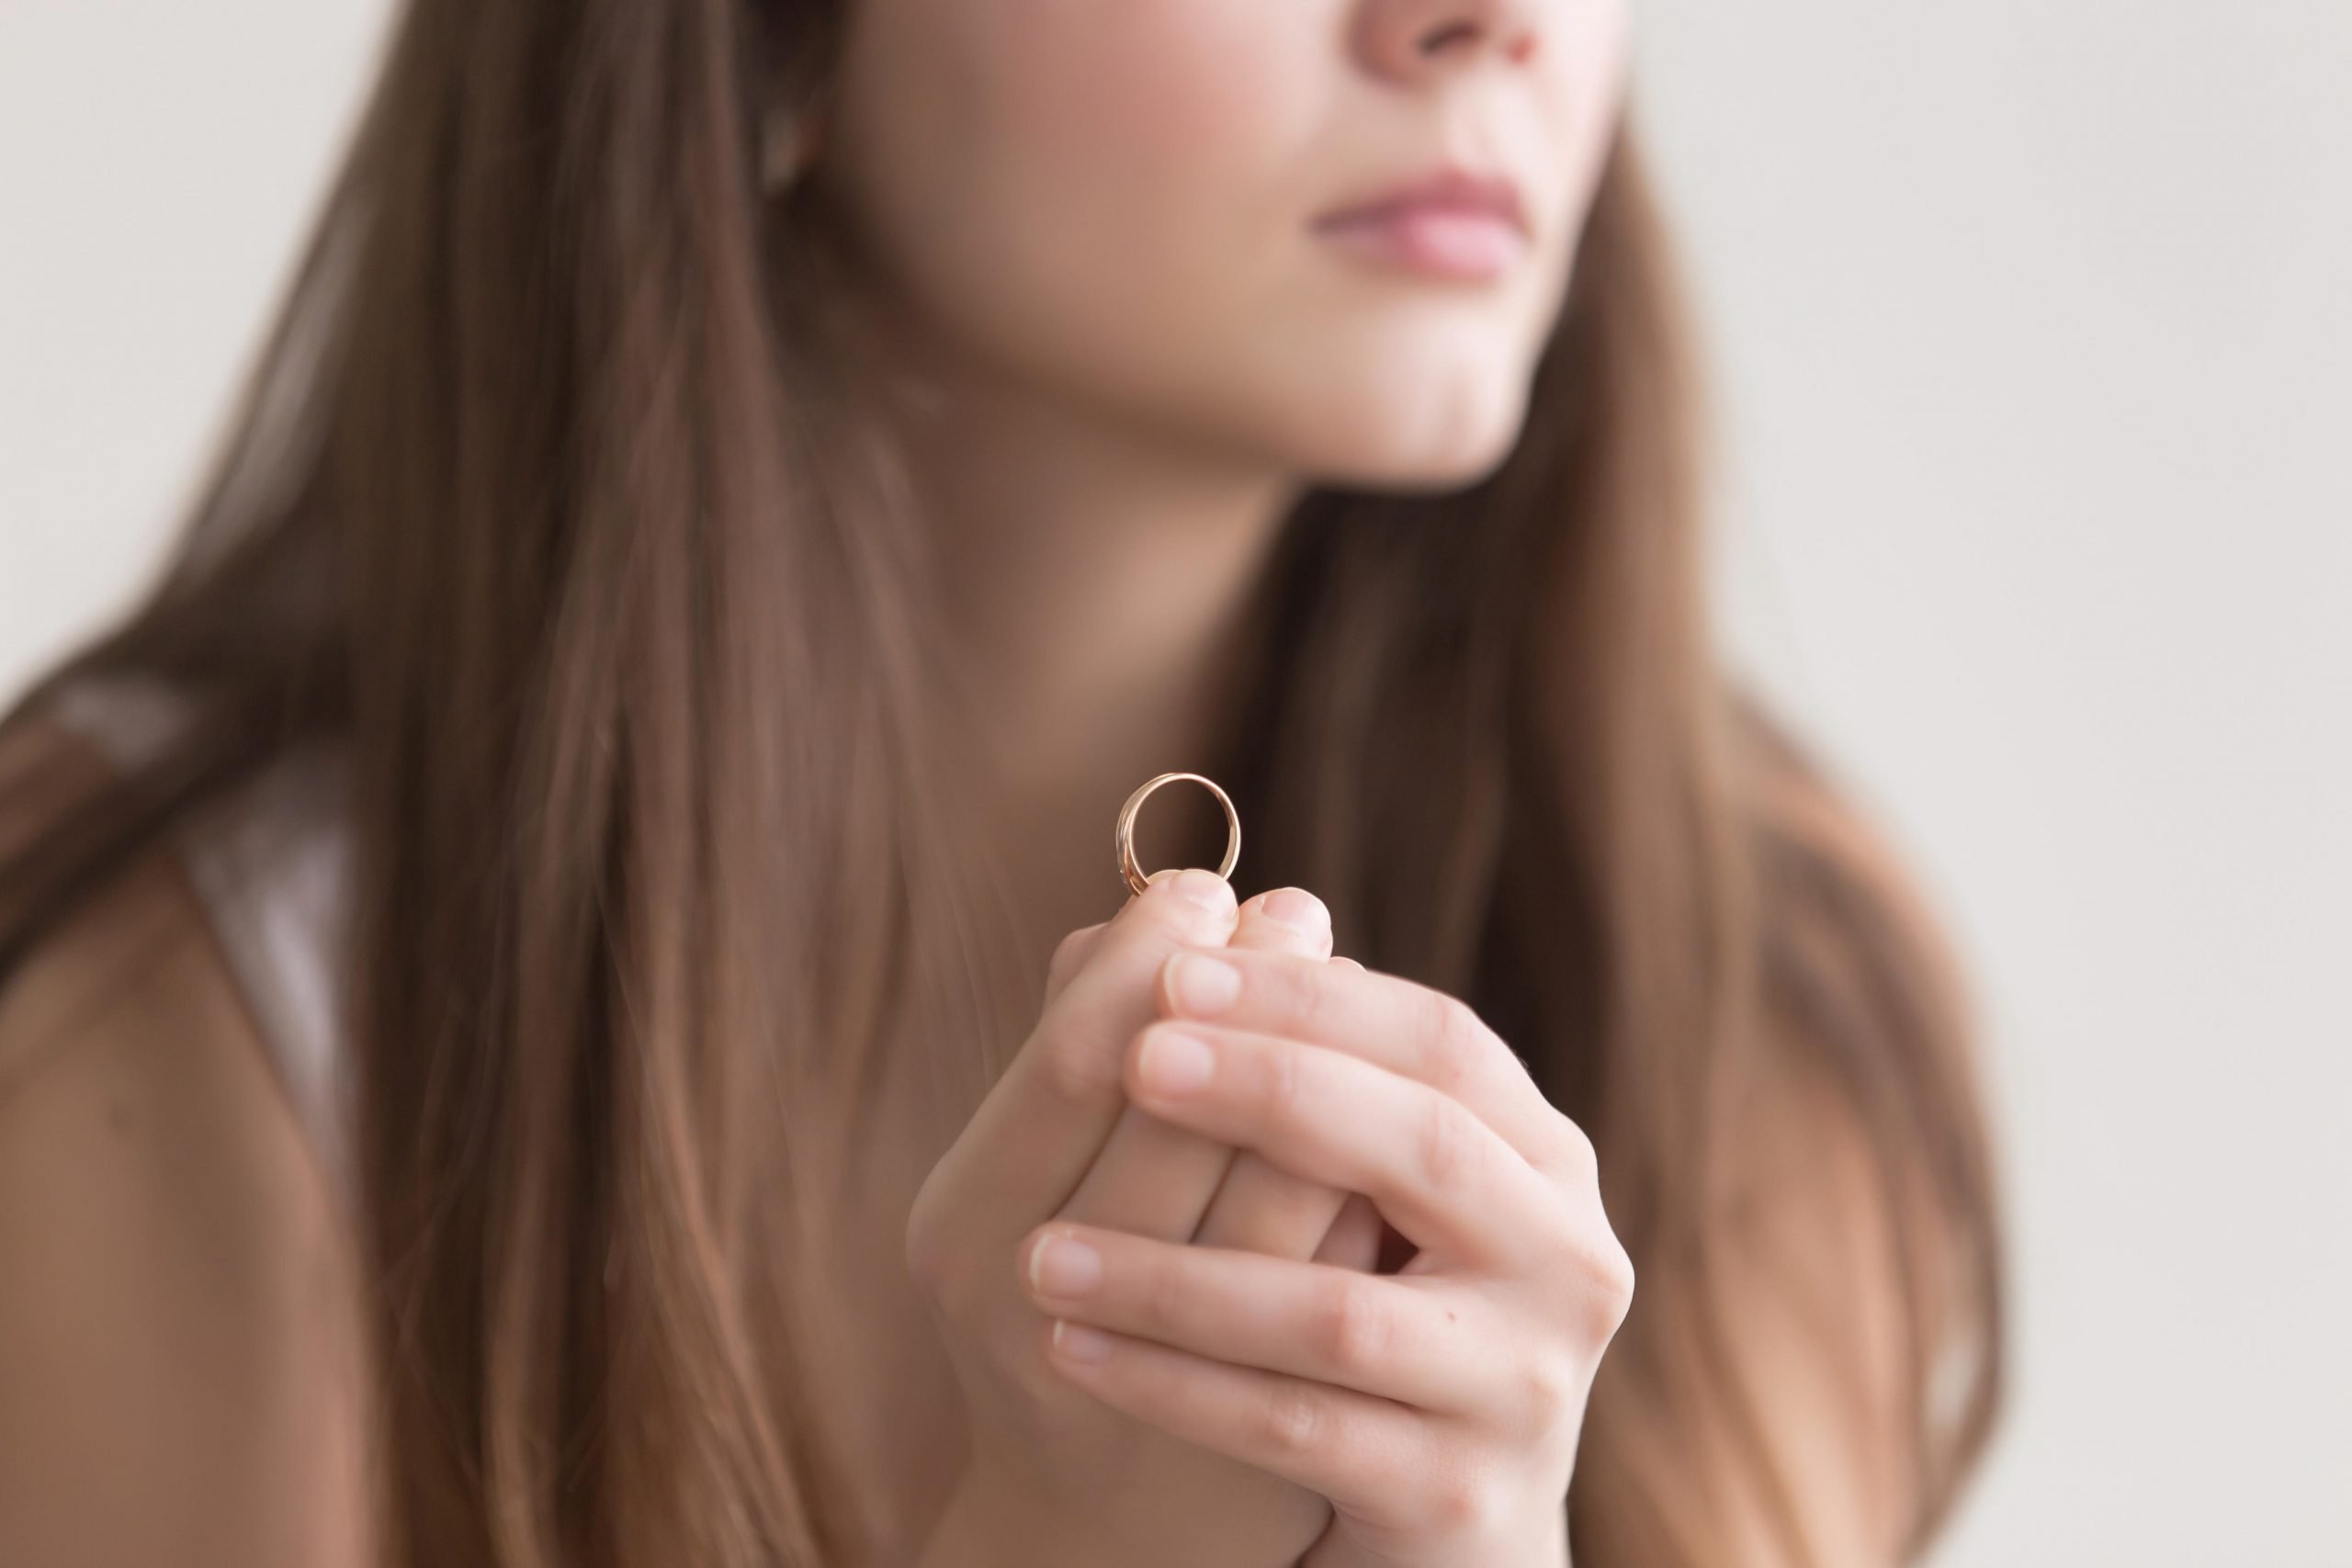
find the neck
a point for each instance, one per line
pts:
(1098, 575)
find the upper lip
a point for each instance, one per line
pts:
(1449, 186)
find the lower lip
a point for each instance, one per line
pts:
(1435, 242)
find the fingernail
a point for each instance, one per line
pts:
(1079, 1342)
(1203, 887)
(1175, 1063)
(1063, 1266)
(1204, 986)
(1299, 910)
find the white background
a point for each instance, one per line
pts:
(2034, 364)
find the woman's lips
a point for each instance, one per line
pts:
(1432, 239)
(1448, 222)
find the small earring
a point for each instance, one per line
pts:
(789, 146)
(785, 151)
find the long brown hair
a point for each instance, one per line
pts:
(546, 506)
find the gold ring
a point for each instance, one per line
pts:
(1126, 835)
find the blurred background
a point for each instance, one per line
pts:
(2031, 325)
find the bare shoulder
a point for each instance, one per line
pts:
(180, 1376)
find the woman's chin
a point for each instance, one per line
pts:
(1416, 460)
(1422, 433)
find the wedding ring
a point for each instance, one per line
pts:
(1125, 836)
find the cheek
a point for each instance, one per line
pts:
(1112, 196)
(1133, 141)
(1150, 93)
(1039, 170)
(1587, 90)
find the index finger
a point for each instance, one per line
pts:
(1031, 1141)
(1414, 1030)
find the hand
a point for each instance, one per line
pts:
(1153, 1178)
(1058, 1477)
(1438, 1408)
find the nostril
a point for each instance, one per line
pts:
(1442, 38)
(1518, 49)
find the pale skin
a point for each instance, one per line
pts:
(1114, 352)
(1117, 350)
(1427, 1417)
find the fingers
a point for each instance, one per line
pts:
(1154, 1179)
(1428, 1344)
(1073, 1053)
(1370, 1456)
(1285, 920)
(1261, 1208)
(1069, 957)
(1410, 1028)
(1445, 1178)
(1040, 1127)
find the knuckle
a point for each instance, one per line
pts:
(1159, 1294)
(1295, 1000)
(1295, 1419)
(1076, 1069)
(1286, 1094)
(1617, 1281)
(1600, 1278)
(931, 1256)
(1567, 1156)
(1554, 1394)
(1459, 1043)
(1067, 953)
(1465, 1502)
(1448, 1153)
(1582, 1158)
(1353, 1327)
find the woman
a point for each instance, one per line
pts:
(559, 1004)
